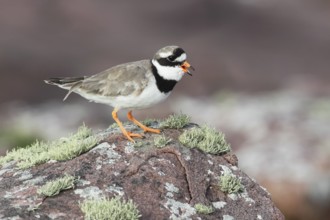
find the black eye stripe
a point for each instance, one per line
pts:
(166, 62)
(171, 58)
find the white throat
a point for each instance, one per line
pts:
(169, 72)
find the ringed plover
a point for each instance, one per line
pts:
(134, 85)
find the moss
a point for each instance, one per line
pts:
(161, 141)
(206, 139)
(175, 121)
(229, 183)
(109, 209)
(54, 187)
(203, 209)
(60, 150)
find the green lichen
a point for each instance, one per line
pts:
(54, 187)
(229, 183)
(203, 209)
(59, 150)
(106, 209)
(206, 139)
(175, 121)
(161, 141)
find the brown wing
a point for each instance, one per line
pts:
(121, 80)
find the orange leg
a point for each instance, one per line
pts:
(145, 128)
(127, 134)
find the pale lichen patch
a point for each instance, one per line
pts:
(228, 217)
(169, 195)
(116, 190)
(225, 169)
(219, 204)
(16, 192)
(187, 157)
(171, 188)
(82, 182)
(179, 210)
(25, 175)
(91, 192)
(209, 172)
(56, 215)
(246, 197)
(129, 148)
(98, 163)
(107, 149)
(233, 196)
(35, 180)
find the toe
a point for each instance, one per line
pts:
(147, 129)
(134, 135)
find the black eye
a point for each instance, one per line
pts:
(171, 58)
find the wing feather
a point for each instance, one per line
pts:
(122, 80)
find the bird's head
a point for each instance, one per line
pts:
(171, 63)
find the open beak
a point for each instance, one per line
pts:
(186, 66)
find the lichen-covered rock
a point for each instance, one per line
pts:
(162, 182)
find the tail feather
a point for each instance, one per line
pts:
(63, 80)
(69, 83)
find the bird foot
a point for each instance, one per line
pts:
(134, 135)
(130, 136)
(152, 130)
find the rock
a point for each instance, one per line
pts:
(163, 183)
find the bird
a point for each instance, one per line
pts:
(130, 86)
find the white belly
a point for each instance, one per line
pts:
(149, 97)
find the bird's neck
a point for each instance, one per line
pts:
(164, 85)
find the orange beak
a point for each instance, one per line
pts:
(186, 66)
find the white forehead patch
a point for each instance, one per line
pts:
(181, 58)
(165, 54)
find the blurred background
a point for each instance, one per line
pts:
(262, 77)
